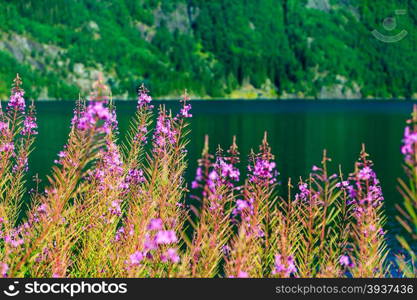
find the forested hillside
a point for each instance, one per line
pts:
(216, 48)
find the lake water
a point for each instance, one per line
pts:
(298, 132)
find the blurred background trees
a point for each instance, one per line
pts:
(216, 48)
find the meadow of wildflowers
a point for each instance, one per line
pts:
(124, 209)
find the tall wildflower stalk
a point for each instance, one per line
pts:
(47, 224)
(408, 190)
(148, 240)
(112, 210)
(249, 256)
(285, 231)
(369, 247)
(17, 132)
(135, 213)
(139, 131)
(217, 182)
(321, 210)
(101, 207)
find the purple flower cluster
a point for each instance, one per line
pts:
(115, 208)
(221, 174)
(16, 142)
(167, 128)
(95, 112)
(141, 134)
(61, 156)
(143, 107)
(365, 196)
(185, 109)
(136, 258)
(10, 239)
(241, 274)
(365, 189)
(227, 170)
(7, 147)
(109, 175)
(4, 268)
(198, 178)
(309, 191)
(263, 171)
(110, 165)
(212, 181)
(77, 112)
(21, 164)
(408, 148)
(135, 177)
(121, 233)
(144, 99)
(29, 126)
(26, 128)
(165, 237)
(164, 134)
(17, 102)
(243, 208)
(155, 239)
(155, 224)
(13, 237)
(43, 209)
(365, 174)
(170, 255)
(284, 265)
(4, 127)
(304, 192)
(226, 165)
(343, 184)
(345, 261)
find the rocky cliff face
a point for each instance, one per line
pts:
(48, 58)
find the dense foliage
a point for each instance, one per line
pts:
(123, 209)
(292, 48)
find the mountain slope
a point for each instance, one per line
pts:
(217, 48)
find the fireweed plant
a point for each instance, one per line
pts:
(408, 190)
(123, 209)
